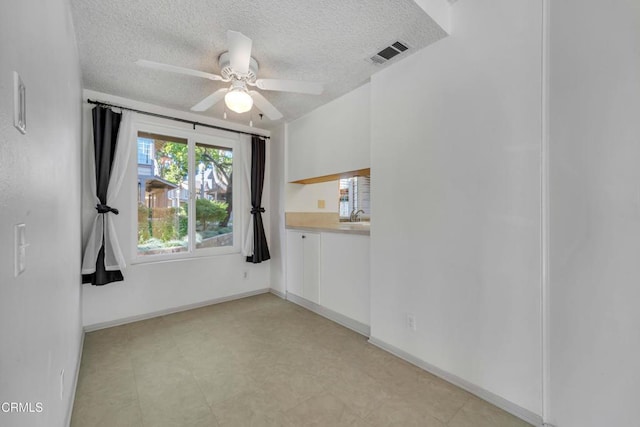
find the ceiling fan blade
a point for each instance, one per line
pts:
(311, 88)
(210, 100)
(239, 51)
(175, 69)
(265, 106)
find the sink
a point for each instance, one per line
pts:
(345, 225)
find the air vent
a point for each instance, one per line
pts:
(389, 52)
(399, 46)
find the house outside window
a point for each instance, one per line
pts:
(185, 194)
(145, 151)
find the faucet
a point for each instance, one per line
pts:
(354, 215)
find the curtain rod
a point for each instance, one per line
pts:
(162, 116)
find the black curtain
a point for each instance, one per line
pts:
(105, 135)
(260, 247)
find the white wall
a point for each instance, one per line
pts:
(277, 246)
(40, 325)
(439, 11)
(304, 197)
(594, 183)
(163, 286)
(331, 139)
(455, 148)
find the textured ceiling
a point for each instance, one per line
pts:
(327, 41)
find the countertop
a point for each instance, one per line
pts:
(362, 229)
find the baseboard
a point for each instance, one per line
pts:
(341, 319)
(137, 318)
(74, 386)
(494, 399)
(278, 293)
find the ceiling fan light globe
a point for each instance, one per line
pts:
(238, 100)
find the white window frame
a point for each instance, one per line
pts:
(193, 137)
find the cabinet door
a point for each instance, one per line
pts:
(311, 281)
(295, 262)
(345, 275)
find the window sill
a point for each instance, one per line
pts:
(157, 259)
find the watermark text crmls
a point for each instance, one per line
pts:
(21, 407)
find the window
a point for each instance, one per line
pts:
(185, 195)
(354, 196)
(145, 147)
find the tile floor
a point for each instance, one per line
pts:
(260, 361)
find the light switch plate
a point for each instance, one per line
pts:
(19, 103)
(411, 322)
(321, 204)
(20, 249)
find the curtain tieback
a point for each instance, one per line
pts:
(256, 210)
(103, 209)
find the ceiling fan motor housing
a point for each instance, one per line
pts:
(229, 73)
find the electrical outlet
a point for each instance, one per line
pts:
(61, 384)
(245, 275)
(411, 322)
(321, 204)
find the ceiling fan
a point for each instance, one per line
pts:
(240, 69)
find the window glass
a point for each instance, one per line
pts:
(185, 195)
(354, 197)
(214, 196)
(162, 194)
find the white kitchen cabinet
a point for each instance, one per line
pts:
(334, 138)
(303, 264)
(345, 275)
(331, 270)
